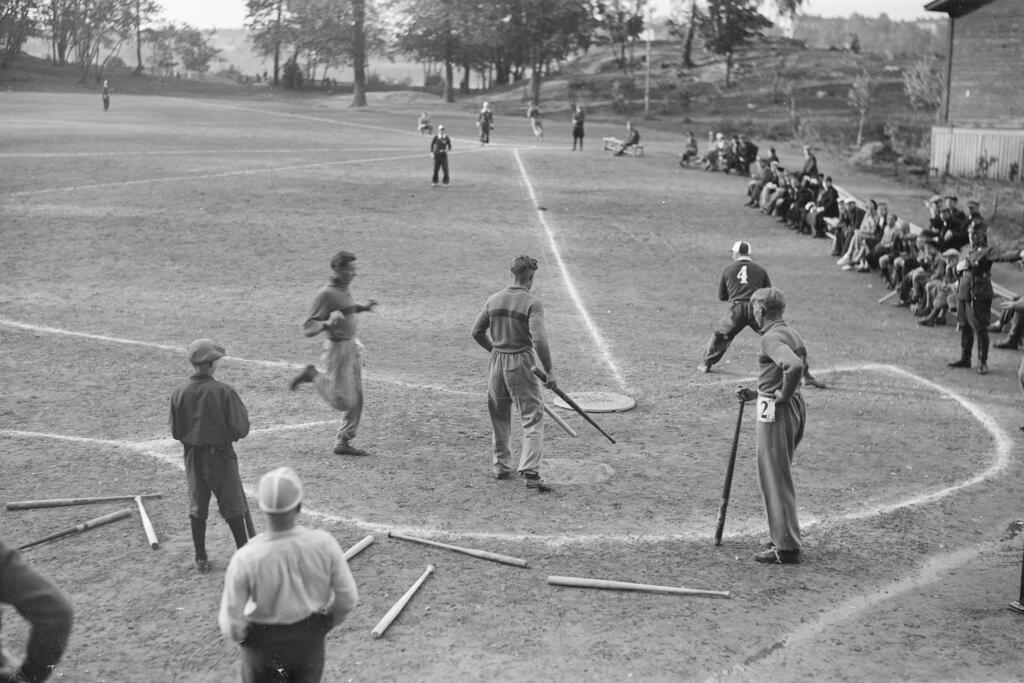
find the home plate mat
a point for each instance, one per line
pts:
(598, 402)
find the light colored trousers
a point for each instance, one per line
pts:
(776, 444)
(511, 382)
(341, 383)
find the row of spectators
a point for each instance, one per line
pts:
(923, 268)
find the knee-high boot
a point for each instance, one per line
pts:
(199, 537)
(966, 346)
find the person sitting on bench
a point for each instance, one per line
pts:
(631, 141)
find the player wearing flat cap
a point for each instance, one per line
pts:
(341, 383)
(511, 328)
(207, 417)
(285, 590)
(739, 280)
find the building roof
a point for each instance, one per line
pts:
(955, 8)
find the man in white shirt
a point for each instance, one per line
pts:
(285, 590)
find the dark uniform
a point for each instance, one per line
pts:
(44, 606)
(439, 147)
(207, 416)
(739, 281)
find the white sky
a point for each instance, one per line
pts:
(207, 14)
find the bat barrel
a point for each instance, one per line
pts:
(359, 547)
(397, 608)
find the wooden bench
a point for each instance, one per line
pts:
(615, 144)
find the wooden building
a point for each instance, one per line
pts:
(982, 124)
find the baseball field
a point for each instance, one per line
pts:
(127, 234)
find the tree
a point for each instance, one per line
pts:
(727, 25)
(145, 11)
(924, 84)
(358, 53)
(99, 27)
(194, 49)
(859, 98)
(17, 23)
(60, 20)
(266, 21)
(686, 29)
(426, 31)
(161, 41)
(623, 23)
(787, 9)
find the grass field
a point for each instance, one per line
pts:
(129, 233)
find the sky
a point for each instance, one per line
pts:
(207, 14)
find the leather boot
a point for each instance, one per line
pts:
(238, 530)
(966, 346)
(199, 543)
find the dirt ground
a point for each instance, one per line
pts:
(130, 233)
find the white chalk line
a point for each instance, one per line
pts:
(602, 345)
(196, 152)
(371, 377)
(1000, 461)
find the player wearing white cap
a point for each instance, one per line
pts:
(207, 416)
(740, 279)
(285, 590)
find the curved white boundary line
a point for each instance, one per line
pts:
(1000, 461)
(602, 345)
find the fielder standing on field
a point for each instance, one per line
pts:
(739, 281)
(511, 328)
(285, 590)
(780, 422)
(341, 383)
(207, 417)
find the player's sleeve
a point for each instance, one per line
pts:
(723, 287)
(238, 416)
(44, 606)
(319, 312)
(343, 584)
(480, 328)
(539, 332)
(232, 603)
(175, 432)
(767, 280)
(792, 365)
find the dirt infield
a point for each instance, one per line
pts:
(130, 233)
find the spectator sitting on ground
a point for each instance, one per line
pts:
(796, 214)
(810, 168)
(746, 154)
(777, 181)
(690, 152)
(958, 215)
(631, 141)
(850, 218)
(952, 233)
(910, 290)
(717, 156)
(772, 155)
(759, 179)
(896, 243)
(423, 124)
(784, 199)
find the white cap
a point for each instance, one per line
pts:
(741, 247)
(279, 491)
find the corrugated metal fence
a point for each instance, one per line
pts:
(977, 152)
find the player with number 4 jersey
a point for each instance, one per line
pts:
(739, 281)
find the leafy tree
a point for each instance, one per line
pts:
(194, 49)
(358, 53)
(859, 98)
(685, 28)
(426, 31)
(60, 19)
(161, 41)
(267, 22)
(100, 27)
(145, 11)
(17, 23)
(622, 22)
(924, 84)
(727, 25)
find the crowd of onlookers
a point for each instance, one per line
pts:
(918, 264)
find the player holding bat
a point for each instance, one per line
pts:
(780, 421)
(511, 328)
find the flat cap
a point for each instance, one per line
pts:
(341, 258)
(523, 262)
(204, 351)
(973, 202)
(280, 491)
(950, 252)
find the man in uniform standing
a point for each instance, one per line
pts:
(341, 383)
(511, 328)
(485, 122)
(285, 590)
(780, 422)
(579, 118)
(739, 280)
(440, 145)
(207, 416)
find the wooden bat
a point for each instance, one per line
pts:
(65, 502)
(727, 487)
(84, 526)
(482, 554)
(147, 524)
(397, 608)
(572, 404)
(888, 296)
(577, 582)
(358, 547)
(250, 528)
(560, 422)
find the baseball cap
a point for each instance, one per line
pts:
(741, 247)
(280, 491)
(950, 252)
(204, 351)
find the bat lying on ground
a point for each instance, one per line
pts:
(358, 547)
(577, 582)
(482, 554)
(572, 404)
(84, 526)
(147, 524)
(397, 608)
(65, 502)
